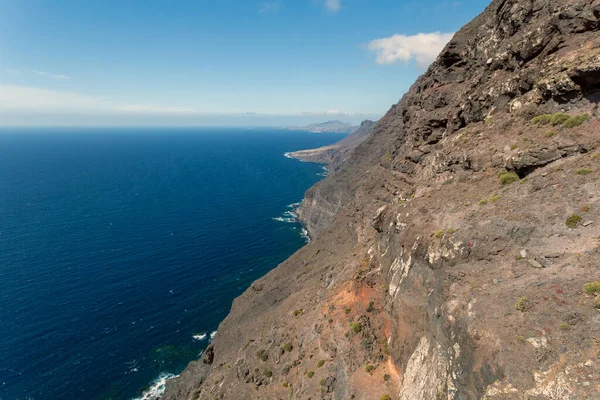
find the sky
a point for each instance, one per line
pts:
(216, 62)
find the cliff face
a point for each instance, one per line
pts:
(452, 248)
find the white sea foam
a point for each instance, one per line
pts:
(287, 155)
(282, 219)
(304, 234)
(324, 172)
(157, 388)
(201, 336)
(212, 335)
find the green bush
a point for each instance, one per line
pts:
(386, 377)
(310, 374)
(385, 397)
(287, 347)
(576, 121)
(543, 119)
(355, 326)
(583, 171)
(506, 178)
(573, 221)
(320, 363)
(298, 312)
(268, 373)
(347, 310)
(559, 119)
(523, 304)
(369, 368)
(592, 288)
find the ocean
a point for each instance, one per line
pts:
(121, 250)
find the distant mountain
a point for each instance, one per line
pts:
(326, 127)
(335, 154)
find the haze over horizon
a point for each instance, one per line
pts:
(215, 63)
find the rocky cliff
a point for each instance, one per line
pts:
(456, 253)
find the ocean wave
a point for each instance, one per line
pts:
(201, 336)
(212, 335)
(287, 155)
(324, 171)
(157, 388)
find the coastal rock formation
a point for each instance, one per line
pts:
(456, 250)
(336, 154)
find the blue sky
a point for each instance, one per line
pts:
(215, 62)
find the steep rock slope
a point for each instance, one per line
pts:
(336, 154)
(452, 249)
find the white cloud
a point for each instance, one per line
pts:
(49, 75)
(422, 47)
(271, 6)
(333, 5)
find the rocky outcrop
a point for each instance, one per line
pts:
(452, 248)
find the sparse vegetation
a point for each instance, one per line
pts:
(438, 234)
(369, 368)
(262, 355)
(573, 221)
(585, 208)
(592, 288)
(523, 304)
(520, 338)
(583, 171)
(268, 373)
(310, 374)
(513, 146)
(506, 177)
(543, 119)
(564, 326)
(355, 327)
(385, 397)
(320, 363)
(287, 347)
(560, 119)
(489, 121)
(494, 198)
(491, 200)
(386, 377)
(298, 312)
(347, 310)
(576, 121)
(597, 301)
(550, 134)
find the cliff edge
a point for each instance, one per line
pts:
(456, 252)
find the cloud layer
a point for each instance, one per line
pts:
(422, 47)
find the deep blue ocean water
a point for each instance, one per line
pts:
(117, 246)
